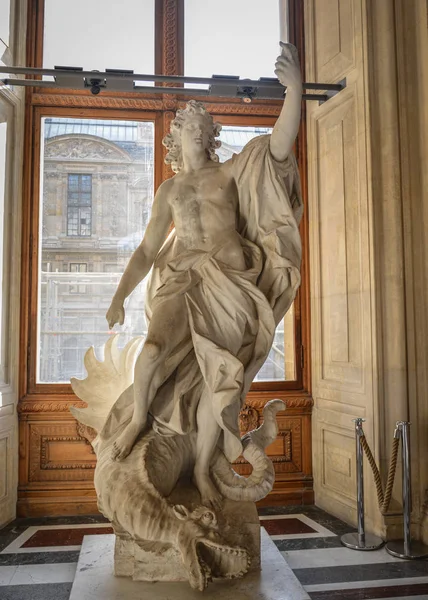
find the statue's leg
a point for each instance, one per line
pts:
(168, 327)
(206, 442)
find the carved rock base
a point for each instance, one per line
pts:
(238, 524)
(160, 563)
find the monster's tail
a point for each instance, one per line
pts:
(260, 482)
(106, 381)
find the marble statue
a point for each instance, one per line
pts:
(166, 410)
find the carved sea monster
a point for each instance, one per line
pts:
(150, 473)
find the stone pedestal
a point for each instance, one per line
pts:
(95, 579)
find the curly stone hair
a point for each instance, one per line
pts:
(172, 141)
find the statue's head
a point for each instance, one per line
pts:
(192, 130)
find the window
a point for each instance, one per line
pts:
(90, 35)
(249, 38)
(83, 256)
(4, 25)
(101, 160)
(79, 205)
(110, 268)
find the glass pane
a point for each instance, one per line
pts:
(88, 235)
(4, 24)
(245, 42)
(280, 365)
(96, 35)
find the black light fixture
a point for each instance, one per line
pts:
(126, 81)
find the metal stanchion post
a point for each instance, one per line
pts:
(360, 540)
(406, 548)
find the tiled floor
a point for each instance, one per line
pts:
(38, 558)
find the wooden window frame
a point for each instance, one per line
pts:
(169, 59)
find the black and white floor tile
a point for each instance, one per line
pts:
(38, 558)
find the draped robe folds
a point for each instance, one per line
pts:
(232, 314)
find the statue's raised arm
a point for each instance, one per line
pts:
(287, 69)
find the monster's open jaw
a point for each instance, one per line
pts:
(218, 560)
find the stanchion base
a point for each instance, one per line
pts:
(415, 550)
(371, 542)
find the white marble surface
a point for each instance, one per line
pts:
(95, 580)
(329, 557)
(33, 574)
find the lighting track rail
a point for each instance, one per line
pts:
(228, 86)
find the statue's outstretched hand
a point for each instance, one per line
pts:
(115, 314)
(287, 67)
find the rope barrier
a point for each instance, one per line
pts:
(383, 497)
(360, 540)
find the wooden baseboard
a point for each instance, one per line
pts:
(57, 506)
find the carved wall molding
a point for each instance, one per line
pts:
(286, 437)
(172, 62)
(258, 400)
(238, 108)
(166, 102)
(293, 440)
(39, 406)
(77, 101)
(167, 172)
(170, 102)
(86, 432)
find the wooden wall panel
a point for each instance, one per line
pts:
(57, 461)
(58, 454)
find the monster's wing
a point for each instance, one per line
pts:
(106, 380)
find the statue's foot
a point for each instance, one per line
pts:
(123, 445)
(210, 496)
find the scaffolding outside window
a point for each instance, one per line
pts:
(78, 268)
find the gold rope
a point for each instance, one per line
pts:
(384, 498)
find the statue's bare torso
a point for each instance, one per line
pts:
(204, 210)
